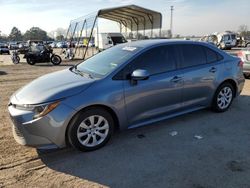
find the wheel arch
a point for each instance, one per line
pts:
(109, 109)
(233, 83)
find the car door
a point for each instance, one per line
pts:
(200, 69)
(160, 94)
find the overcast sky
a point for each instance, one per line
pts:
(191, 17)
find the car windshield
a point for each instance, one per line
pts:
(105, 62)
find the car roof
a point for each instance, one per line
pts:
(153, 42)
(143, 44)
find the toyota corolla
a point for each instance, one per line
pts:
(126, 86)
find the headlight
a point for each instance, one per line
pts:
(42, 110)
(39, 110)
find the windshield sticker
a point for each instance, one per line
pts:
(129, 48)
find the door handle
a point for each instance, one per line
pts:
(213, 70)
(176, 79)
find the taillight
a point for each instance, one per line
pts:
(240, 64)
(240, 54)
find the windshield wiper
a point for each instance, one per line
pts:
(84, 74)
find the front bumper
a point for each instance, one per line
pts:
(46, 131)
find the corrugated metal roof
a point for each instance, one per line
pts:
(133, 17)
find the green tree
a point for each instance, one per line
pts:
(35, 33)
(15, 34)
(243, 30)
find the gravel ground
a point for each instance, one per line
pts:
(144, 157)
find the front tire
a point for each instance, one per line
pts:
(30, 61)
(223, 97)
(90, 129)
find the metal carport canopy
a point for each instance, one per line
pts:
(133, 17)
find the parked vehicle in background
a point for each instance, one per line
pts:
(4, 49)
(53, 45)
(226, 40)
(35, 42)
(61, 45)
(106, 40)
(211, 39)
(13, 45)
(243, 41)
(245, 57)
(79, 44)
(20, 45)
(41, 54)
(126, 86)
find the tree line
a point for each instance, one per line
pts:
(34, 33)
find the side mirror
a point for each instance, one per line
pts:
(140, 74)
(110, 42)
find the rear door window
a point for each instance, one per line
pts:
(211, 55)
(193, 55)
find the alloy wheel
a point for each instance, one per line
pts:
(93, 131)
(224, 97)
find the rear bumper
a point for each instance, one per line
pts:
(246, 67)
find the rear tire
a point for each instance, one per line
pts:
(223, 97)
(90, 129)
(56, 59)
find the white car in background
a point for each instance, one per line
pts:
(106, 40)
(226, 40)
(245, 57)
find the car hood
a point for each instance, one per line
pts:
(51, 87)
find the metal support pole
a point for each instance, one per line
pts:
(152, 23)
(68, 31)
(171, 21)
(137, 25)
(97, 34)
(80, 35)
(90, 37)
(71, 38)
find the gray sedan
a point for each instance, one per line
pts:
(126, 86)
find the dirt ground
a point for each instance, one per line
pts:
(143, 157)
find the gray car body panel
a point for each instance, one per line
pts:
(148, 101)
